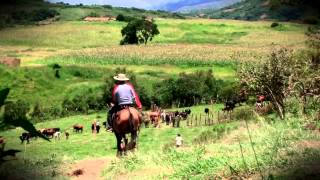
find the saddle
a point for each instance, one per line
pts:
(119, 108)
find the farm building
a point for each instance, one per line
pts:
(10, 61)
(99, 19)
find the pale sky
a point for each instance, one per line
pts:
(146, 4)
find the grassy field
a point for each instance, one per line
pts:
(88, 52)
(222, 150)
(211, 39)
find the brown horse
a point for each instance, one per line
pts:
(126, 121)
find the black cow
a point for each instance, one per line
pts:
(206, 110)
(188, 111)
(104, 124)
(184, 115)
(229, 106)
(168, 118)
(26, 136)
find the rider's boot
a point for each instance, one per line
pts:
(109, 128)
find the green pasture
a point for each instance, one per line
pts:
(80, 34)
(221, 150)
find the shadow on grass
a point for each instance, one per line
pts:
(31, 169)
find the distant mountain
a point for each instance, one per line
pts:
(305, 10)
(186, 6)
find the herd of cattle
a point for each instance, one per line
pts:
(155, 117)
(50, 133)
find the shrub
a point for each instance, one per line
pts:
(120, 17)
(107, 6)
(188, 89)
(43, 14)
(23, 17)
(93, 14)
(14, 111)
(37, 112)
(243, 113)
(311, 20)
(82, 99)
(274, 24)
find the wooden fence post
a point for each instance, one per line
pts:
(196, 121)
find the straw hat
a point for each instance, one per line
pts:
(121, 77)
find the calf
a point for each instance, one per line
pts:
(57, 135)
(67, 135)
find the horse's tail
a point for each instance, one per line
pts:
(131, 123)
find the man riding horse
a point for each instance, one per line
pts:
(123, 95)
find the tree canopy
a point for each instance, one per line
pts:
(139, 31)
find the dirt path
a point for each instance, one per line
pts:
(89, 169)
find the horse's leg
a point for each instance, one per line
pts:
(125, 144)
(118, 136)
(133, 142)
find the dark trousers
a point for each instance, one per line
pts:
(111, 112)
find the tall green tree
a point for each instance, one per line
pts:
(139, 31)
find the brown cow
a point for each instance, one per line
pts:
(78, 128)
(155, 118)
(49, 132)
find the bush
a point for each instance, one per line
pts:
(14, 111)
(41, 113)
(311, 20)
(274, 24)
(93, 14)
(243, 113)
(43, 14)
(107, 6)
(293, 106)
(23, 17)
(82, 99)
(187, 89)
(120, 17)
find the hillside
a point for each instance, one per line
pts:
(29, 12)
(265, 9)
(186, 6)
(197, 44)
